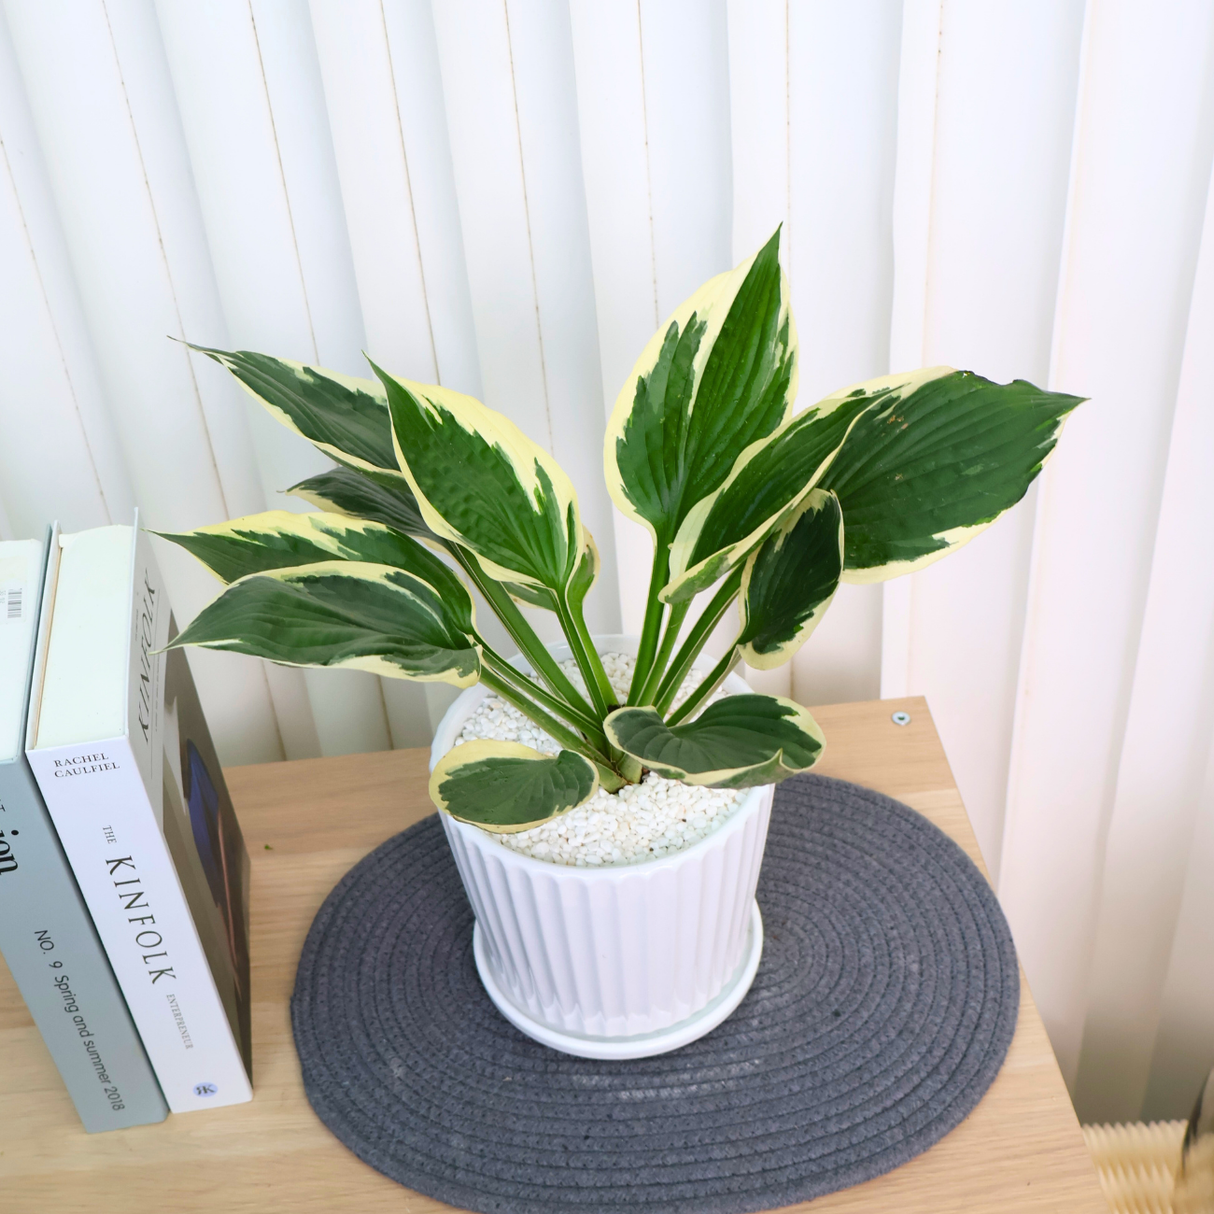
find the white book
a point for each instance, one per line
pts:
(46, 934)
(121, 752)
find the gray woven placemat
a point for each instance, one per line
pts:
(882, 1010)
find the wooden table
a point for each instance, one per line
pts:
(305, 824)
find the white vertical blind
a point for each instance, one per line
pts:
(379, 63)
(46, 349)
(508, 196)
(984, 162)
(99, 91)
(652, 98)
(248, 89)
(1164, 766)
(825, 169)
(1140, 170)
(614, 139)
(508, 80)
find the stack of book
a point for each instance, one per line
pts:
(123, 876)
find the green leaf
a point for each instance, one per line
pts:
(769, 478)
(346, 614)
(346, 418)
(921, 463)
(720, 375)
(348, 491)
(279, 539)
(789, 581)
(929, 468)
(483, 484)
(504, 787)
(737, 742)
(584, 577)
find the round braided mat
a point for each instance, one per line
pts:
(882, 1010)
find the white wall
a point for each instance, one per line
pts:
(508, 196)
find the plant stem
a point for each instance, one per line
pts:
(595, 658)
(502, 668)
(654, 610)
(582, 647)
(533, 649)
(628, 767)
(711, 682)
(701, 630)
(674, 621)
(608, 777)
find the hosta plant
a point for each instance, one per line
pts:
(434, 494)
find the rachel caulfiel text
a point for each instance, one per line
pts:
(71, 1007)
(83, 765)
(129, 887)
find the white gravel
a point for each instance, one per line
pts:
(645, 821)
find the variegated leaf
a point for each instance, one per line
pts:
(347, 491)
(345, 417)
(279, 539)
(719, 375)
(921, 462)
(789, 581)
(482, 483)
(579, 585)
(738, 742)
(345, 614)
(929, 468)
(504, 787)
(769, 478)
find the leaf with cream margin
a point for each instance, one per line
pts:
(345, 417)
(737, 742)
(505, 787)
(279, 539)
(922, 474)
(767, 481)
(346, 614)
(720, 374)
(359, 495)
(579, 585)
(480, 482)
(789, 581)
(921, 462)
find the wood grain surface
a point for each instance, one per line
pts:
(305, 824)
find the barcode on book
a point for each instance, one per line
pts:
(12, 602)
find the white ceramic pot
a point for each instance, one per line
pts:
(621, 961)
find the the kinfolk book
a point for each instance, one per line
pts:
(46, 935)
(121, 750)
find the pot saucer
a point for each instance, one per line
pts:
(639, 1045)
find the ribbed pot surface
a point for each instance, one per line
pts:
(618, 950)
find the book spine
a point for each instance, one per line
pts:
(109, 830)
(61, 970)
